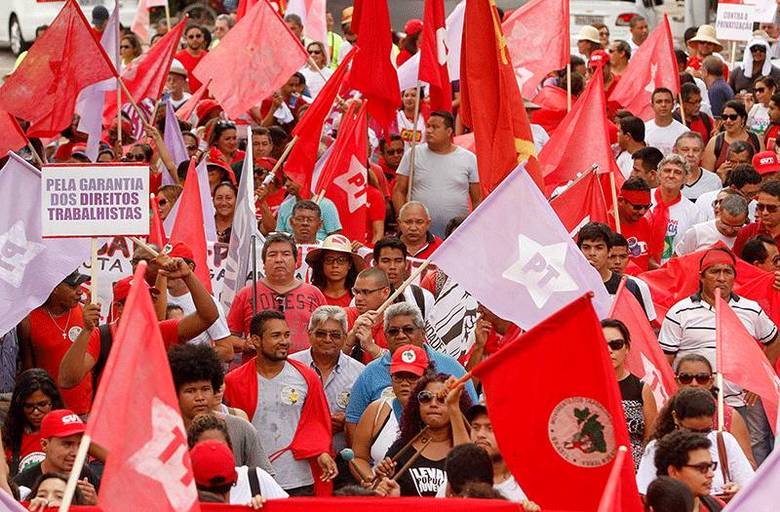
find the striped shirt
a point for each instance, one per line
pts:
(689, 328)
(338, 386)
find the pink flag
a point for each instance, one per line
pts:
(760, 493)
(522, 271)
(741, 361)
(537, 35)
(653, 65)
(646, 360)
(314, 17)
(252, 61)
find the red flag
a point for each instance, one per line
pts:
(156, 230)
(554, 105)
(759, 286)
(64, 60)
(184, 113)
(300, 164)
(145, 77)
(12, 136)
(252, 61)
(373, 73)
(433, 56)
(537, 35)
(344, 175)
(581, 203)
(561, 160)
(187, 230)
(646, 360)
(490, 99)
(611, 498)
(740, 359)
(243, 7)
(136, 418)
(653, 65)
(577, 422)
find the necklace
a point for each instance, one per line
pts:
(67, 322)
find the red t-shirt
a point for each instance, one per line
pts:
(770, 137)
(49, 347)
(378, 331)
(748, 232)
(697, 125)
(189, 62)
(638, 235)
(431, 245)
(30, 451)
(297, 305)
(341, 302)
(375, 202)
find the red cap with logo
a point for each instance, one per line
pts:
(181, 250)
(213, 464)
(766, 162)
(598, 58)
(409, 358)
(121, 288)
(61, 423)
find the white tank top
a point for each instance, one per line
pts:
(387, 435)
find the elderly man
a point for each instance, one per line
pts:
(403, 325)
(619, 55)
(176, 85)
(366, 338)
(414, 222)
(689, 328)
(305, 221)
(338, 371)
(445, 175)
(743, 180)
(690, 146)
(672, 213)
(733, 216)
(662, 131)
(279, 290)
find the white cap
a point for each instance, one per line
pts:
(177, 68)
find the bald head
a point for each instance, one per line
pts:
(414, 221)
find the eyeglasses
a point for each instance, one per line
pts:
(616, 345)
(732, 226)
(426, 397)
(365, 291)
(704, 467)
(640, 207)
(134, 157)
(770, 208)
(405, 377)
(195, 36)
(700, 378)
(730, 117)
(338, 260)
(315, 52)
(759, 90)
(192, 148)
(395, 331)
(757, 49)
(280, 300)
(321, 334)
(41, 406)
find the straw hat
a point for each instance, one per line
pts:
(589, 33)
(177, 68)
(763, 35)
(706, 34)
(335, 243)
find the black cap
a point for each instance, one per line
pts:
(76, 278)
(99, 13)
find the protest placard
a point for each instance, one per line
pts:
(95, 200)
(734, 21)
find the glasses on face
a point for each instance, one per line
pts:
(404, 377)
(732, 226)
(426, 397)
(315, 52)
(365, 291)
(769, 208)
(615, 345)
(757, 49)
(760, 90)
(192, 148)
(395, 331)
(339, 260)
(640, 207)
(703, 467)
(195, 36)
(42, 406)
(133, 157)
(730, 117)
(700, 378)
(322, 334)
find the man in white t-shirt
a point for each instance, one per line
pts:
(445, 175)
(176, 84)
(662, 131)
(670, 207)
(690, 146)
(733, 215)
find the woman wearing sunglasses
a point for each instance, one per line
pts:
(440, 410)
(734, 128)
(638, 402)
(316, 71)
(693, 409)
(695, 371)
(758, 117)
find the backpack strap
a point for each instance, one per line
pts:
(707, 120)
(254, 482)
(719, 139)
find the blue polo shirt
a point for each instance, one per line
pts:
(328, 213)
(376, 378)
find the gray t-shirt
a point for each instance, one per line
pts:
(279, 405)
(441, 182)
(707, 182)
(247, 449)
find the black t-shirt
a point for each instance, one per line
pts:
(423, 478)
(29, 476)
(613, 283)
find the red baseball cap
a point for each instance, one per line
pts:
(598, 58)
(61, 423)
(413, 26)
(181, 250)
(213, 464)
(205, 107)
(766, 162)
(409, 358)
(121, 288)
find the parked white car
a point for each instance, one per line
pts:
(20, 18)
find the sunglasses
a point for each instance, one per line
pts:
(700, 378)
(769, 208)
(426, 397)
(321, 334)
(730, 117)
(704, 467)
(760, 90)
(131, 157)
(315, 52)
(395, 331)
(195, 36)
(616, 345)
(640, 207)
(757, 49)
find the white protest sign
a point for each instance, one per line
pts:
(765, 11)
(95, 200)
(734, 21)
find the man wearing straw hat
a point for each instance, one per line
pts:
(707, 44)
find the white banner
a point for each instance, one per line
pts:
(94, 200)
(734, 22)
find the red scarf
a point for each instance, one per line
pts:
(659, 221)
(312, 436)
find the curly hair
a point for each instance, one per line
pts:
(203, 423)
(411, 420)
(673, 449)
(29, 381)
(193, 363)
(686, 403)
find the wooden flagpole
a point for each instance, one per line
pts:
(414, 142)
